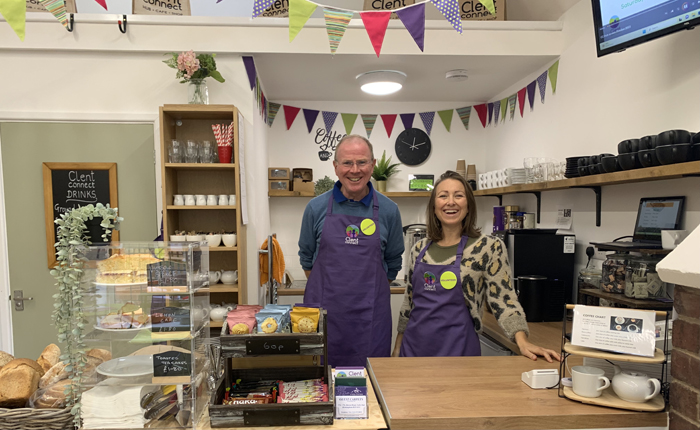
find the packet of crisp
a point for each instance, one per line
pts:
(304, 320)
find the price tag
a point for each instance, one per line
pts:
(171, 363)
(272, 345)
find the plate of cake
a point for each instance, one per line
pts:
(129, 317)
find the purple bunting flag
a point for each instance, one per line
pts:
(427, 118)
(542, 82)
(407, 119)
(329, 120)
(496, 111)
(450, 8)
(490, 110)
(413, 18)
(531, 94)
(310, 116)
(260, 5)
(249, 64)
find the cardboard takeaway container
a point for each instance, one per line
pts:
(278, 173)
(303, 186)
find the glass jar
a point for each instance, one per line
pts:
(198, 92)
(589, 278)
(613, 279)
(512, 218)
(642, 280)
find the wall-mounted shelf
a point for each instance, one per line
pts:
(200, 166)
(280, 193)
(630, 302)
(188, 208)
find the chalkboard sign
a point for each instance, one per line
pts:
(171, 363)
(71, 185)
(272, 345)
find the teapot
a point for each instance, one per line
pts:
(200, 312)
(634, 387)
(218, 312)
(229, 276)
(214, 276)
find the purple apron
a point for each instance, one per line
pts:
(349, 280)
(440, 324)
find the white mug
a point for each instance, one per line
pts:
(189, 200)
(672, 238)
(201, 199)
(223, 200)
(178, 200)
(586, 381)
(232, 199)
(211, 200)
(229, 239)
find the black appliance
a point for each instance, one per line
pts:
(547, 259)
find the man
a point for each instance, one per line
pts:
(350, 248)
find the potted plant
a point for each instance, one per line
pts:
(383, 171)
(68, 315)
(323, 185)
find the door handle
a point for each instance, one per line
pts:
(19, 299)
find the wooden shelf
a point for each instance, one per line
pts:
(611, 400)
(222, 288)
(223, 249)
(627, 301)
(200, 166)
(216, 324)
(188, 208)
(625, 249)
(658, 357)
(279, 193)
(407, 194)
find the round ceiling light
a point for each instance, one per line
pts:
(457, 75)
(381, 82)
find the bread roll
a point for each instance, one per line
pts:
(54, 396)
(18, 380)
(101, 354)
(55, 374)
(49, 357)
(5, 358)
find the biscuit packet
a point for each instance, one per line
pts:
(270, 321)
(304, 320)
(284, 308)
(241, 322)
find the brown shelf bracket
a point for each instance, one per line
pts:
(598, 199)
(538, 195)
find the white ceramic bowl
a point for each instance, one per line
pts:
(229, 240)
(175, 238)
(214, 240)
(195, 238)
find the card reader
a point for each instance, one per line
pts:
(539, 379)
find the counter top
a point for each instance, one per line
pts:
(484, 393)
(544, 334)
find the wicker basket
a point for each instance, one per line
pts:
(36, 419)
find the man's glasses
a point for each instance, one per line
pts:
(359, 163)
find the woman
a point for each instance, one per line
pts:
(453, 267)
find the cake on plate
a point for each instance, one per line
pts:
(124, 269)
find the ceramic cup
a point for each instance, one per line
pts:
(587, 381)
(178, 200)
(229, 239)
(214, 240)
(189, 200)
(214, 276)
(223, 200)
(232, 198)
(201, 199)
(211, 200)
(671, 238)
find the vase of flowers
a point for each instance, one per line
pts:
(193, 69)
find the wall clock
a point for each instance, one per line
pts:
(412, 146)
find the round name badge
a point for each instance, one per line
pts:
(448, 280)
(368, 227)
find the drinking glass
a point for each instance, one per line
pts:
(191, 152)
(529, 165)
(206, 152)
(175, 152)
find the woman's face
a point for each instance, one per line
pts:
(451, 202)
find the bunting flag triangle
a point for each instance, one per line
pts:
(249, 64)
(299, 13)
(15, 13)
(369, 120)
(102, 3)
(531, 87)
(450, 8)
(504, 107)
(490, 107)
(542, 83)
(553, 72)
(496, 110)
(407, 119)
(310, 116)
(464, 113)
(427, 118)
(521, 100)
(329, 120)
(57, 9)
(260, 5)
(375, 24)
(446, 117)
(272, 109)
(511, 105)
(336, 23)
(349, 121)
(389, 121)
(481, 111)
(290, 114)
(413, 18)
(488, 4)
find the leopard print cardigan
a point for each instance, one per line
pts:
(486, 276)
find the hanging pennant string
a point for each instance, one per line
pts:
(367, 11)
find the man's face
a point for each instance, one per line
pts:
(354, 167)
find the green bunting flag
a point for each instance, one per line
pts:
(299, 13)
(488, 4)
(446, 117)
(553, 72)
(15, 13)
(349, 121)
(504, 107)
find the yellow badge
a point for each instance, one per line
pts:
(367, 226)
(448, 280)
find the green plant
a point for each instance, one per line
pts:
(191, 66)
(68, 315)
(384, 169)
(323, 185)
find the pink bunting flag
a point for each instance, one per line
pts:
(521, 100)
(102, 3)
(389, 121)
(481, 110)
(290, 114)
(375, 24)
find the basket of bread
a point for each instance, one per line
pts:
(32, 393)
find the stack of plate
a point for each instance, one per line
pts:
(517, 176)
(572, 167)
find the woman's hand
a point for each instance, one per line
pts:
(397, 345)
(531, 351)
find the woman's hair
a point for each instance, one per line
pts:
(468, 223)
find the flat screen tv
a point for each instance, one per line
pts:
(624, 23)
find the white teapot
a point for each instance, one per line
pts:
(229, 276)
(214, 276)
(200, 312)
(634, 387)
(218, 312)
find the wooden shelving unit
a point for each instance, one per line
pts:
(193, 122)
(622, 299)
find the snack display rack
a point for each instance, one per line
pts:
(275, 356)
(145, 303)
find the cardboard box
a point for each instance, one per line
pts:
(387, 5)
(275, 185)
(303, 186)
(473, 10)
(278, 173)
(303, 173)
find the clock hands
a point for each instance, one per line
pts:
(419, 144)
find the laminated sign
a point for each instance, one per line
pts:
(162, 7)
(387, 5)
(36, 6)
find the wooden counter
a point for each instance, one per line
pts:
(484, 393)
(544, 334)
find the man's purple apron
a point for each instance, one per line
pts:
(349, 281)
(440, 324)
